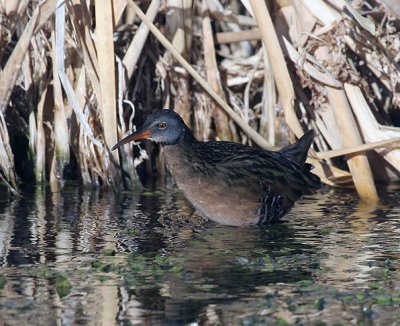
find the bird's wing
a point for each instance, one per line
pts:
(240, 165)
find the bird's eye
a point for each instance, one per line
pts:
(162, 125)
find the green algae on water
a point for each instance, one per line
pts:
(63, 285)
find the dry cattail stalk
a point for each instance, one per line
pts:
(313, 52)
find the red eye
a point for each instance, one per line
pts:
(162, 125)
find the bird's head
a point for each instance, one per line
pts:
(165, 127)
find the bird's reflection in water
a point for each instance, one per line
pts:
(145, 258)
(203, 263)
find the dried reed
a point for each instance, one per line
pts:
(236, 70)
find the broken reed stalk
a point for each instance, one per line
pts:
(7, 174)
(73, 101)
(14, 6)
(11, 70)
(358, 163)
(118, 9)
(283, 80)
(105, 56)
(132, 55)
(279, 67)
(79, 12)
(267, 119)
(335, 173)
(61, 134)
(46, 10)
(394, 142)
(179, 32)
(233, 37)
(40, 173)
(260, 141)
(347, 126)
(87, 89)
(371, 129)
(213, 76)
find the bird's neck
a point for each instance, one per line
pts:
(185, 141)
(179, 154)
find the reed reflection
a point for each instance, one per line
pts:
(146, 259)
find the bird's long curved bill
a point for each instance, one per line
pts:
(140, 134)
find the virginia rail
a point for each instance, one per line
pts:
(227, 182)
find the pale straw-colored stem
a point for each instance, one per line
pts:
(105, 56)
(388, 143)
(279, 67)
(260, 141)
(357, 162)
(10, 73)
(135, 48)
(233, 37)
(213, 76)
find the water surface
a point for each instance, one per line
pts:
(94, 258)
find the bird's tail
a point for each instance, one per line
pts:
(298, 151)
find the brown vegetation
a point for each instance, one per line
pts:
(76, 76)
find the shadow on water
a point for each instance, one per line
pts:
(79, 257)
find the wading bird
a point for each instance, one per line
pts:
(227, 182)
